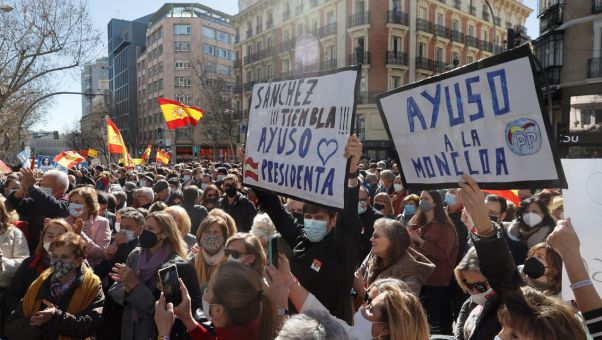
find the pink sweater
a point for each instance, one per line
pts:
(97, 237)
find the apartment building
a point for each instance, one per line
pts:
(94, 80)
(185, 42)
(396, 41)
(569, 49)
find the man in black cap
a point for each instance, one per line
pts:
(161, 190)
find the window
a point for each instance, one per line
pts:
(299, 29)
(208, 32)
(183, 82)
(456, 25)
(270, 43)
(440, 20)
(549, 50)
(182, 29)
(209, 49)
(285, 66)
(439, 55)
(421, 50)
(182, 64)
(470, 59)
(223, 69)
(223, 37)
(455, 56)
(485, 35)
(395, 82)
(422, 13)
(249, 76)
(259, 74)
(471, 31)
(330, 18)
(182, 46)
(268, 71)
(223, 53)
(396, 44)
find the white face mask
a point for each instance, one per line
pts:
(207, 309)
(129, 235)
(204, 186)
(186, 178)
(142, 183)
(362, 327)
(46, 190)
(497, 337)
(482, 298)
(117, 227)
(46, 246)
(76, 209)
(220, 177)
(532, 219)
(398, 187)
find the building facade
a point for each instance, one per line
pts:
(187, 44)
(396, 41)
(47, 143)
(94, 80)
(126, 40)
(570, 50)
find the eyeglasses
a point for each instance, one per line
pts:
(235, 253)
(480, 287)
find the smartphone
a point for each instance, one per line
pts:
(273, 249)
(171, 286)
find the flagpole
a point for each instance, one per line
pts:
(174, 146)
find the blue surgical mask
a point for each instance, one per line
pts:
(315, 229)
(450, 199)
(129, 235)
(409, 209)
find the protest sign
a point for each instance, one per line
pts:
(24, 157)
(484, 119)
(583, 204)
(45, 163)
(298, 130)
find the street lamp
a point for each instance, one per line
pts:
(5, 8)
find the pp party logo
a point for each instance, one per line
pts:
(523, 136)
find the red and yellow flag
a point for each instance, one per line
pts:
(147, 152)
(162, 157)
(68, 159)
(116, 144)
(92, 153)
(177, 114)
(509, 195)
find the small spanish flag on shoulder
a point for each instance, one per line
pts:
(68, 159)
(162, 157)
(177, 114)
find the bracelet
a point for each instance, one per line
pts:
(163, 337)
(581, 284)
(291, 282)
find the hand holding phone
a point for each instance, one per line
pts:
(273, 249)
(170, 284)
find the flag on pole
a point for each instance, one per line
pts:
(92, 153)
(147, 153)
(509, 195)
(162, 157)
(116, 143)
(177, 114)
(68, 159)
(84, 153)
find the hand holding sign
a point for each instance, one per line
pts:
(353, 152)
(474, 202)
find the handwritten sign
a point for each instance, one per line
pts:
(583, 204)
(298, 129)
(483, 119)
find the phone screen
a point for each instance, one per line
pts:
(273, 249)
(170, 284)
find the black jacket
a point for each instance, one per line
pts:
(368, 218)
(462, 232)
(242, 211)
(123, 250)
(324, 268)
(111, 217)
(34, 209)
(497, 265)
(196, 213)
(28, 271)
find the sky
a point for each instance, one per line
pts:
(66, 109)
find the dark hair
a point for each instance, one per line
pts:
(103, 197)
(440, 214)
(314, 209)
(133, 214)
(399, 241)
(500, 200)
(175, 195)
(547, 218)
(554, 266)
(190, 194)
(111, 203)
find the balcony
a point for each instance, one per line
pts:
(368, 97)
(249, 33)
(237, 63)
(551, 18)
(472, 41)
(485, 15)
(286, 45)
(328, 64)
(313, 3)
(286, 15)
(328, 30)
(458, 4)
(258, 29)
(424, 25)
(269, 23)
(457, 36)
(397, 17)
(248, 86)
(299, 9)
(237, 89)
(442, 1)
(439, 66)
(594, 67)
(596, 6)
(497, 21)
(358, 19)
(472, 10)
(424, 64)
(553, 73)
(508, 24)
(359, 58)
(442, 31)
(397, 58)
(487, 46)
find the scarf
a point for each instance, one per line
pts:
(82, 297)
(206, 264)
(148, 264)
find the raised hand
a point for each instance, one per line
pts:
(474, 202)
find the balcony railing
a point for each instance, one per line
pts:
(439, 66)
(487, 46)
(424, 25)
(328, 64)
(328, 30)
(553, 74)
(259, 29)
(313, 3)
(442, 31)
(237, 63)
(237, 88)
(249, 33)
(485, 15)
(472, 10)
(248, 85)
(286, 15)
(596, 6)
(594, 67)
(457, 36)
(269, 23)
(497, 21)
(551, 18)
(508, 24)
(471, 41)
(442, 1)
(286, 45)
(458, 4)
(357, 19)
(397, 58)
(424, 63)
(397, 17)
(299, 9)
(359, 58)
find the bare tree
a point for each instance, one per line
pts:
(218, 123)
(39, 40)
(93, 129)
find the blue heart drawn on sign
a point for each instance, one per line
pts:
(326, 149)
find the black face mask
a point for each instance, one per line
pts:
(533, 268)
(147, 239)
(493, 218)
(378, 206)
(231, 191)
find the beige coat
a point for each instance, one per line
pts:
(14, 250)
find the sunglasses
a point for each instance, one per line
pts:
(235, 253)
(480, 287)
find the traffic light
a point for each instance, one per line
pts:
(160, 132)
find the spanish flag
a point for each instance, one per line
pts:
(68, 159)
(116, 143)
(509, 195)
(177, 114)
(147, 152)
(162, 157)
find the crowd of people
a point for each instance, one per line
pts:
(81, 253)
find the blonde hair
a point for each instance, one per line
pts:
(252, 247)
(157, 206)
(90, 197)
(230, 223)
(7, 217)
(57, 221)
(181, 216)
(167, 224)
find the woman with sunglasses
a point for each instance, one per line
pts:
(246, 248)
(210, 196)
